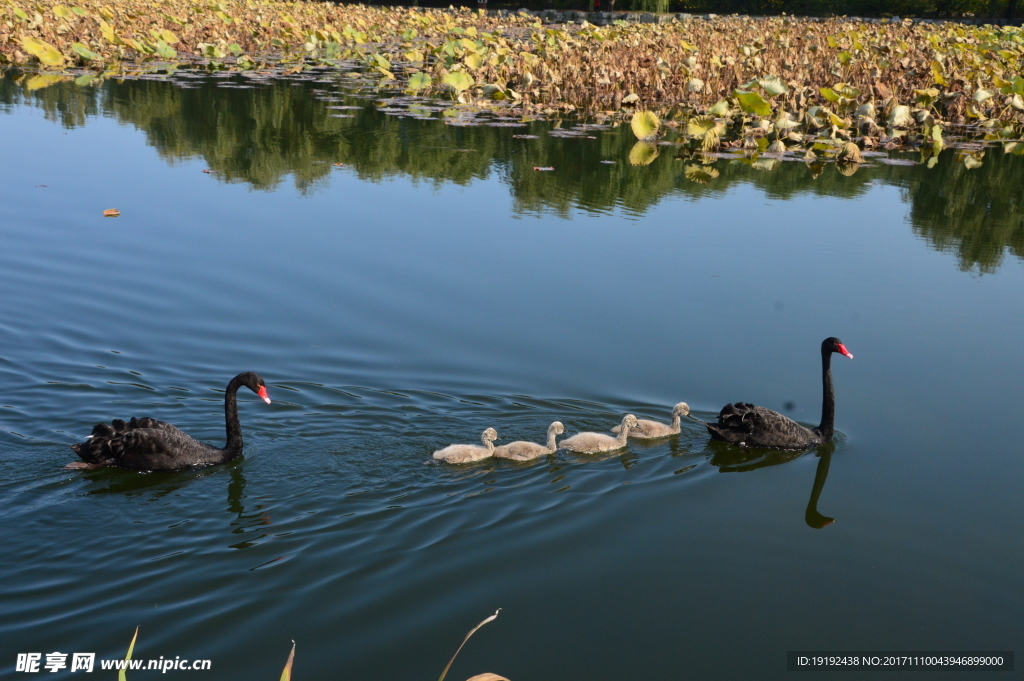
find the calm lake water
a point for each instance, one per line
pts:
(435, 285)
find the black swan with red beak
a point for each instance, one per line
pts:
(749, 426)
(145, 444)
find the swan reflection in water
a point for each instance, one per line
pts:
(731, 459)
(157, 486)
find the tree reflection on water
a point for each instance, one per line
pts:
(261, 132)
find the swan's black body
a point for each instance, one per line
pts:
(749, 426)
(145, 444)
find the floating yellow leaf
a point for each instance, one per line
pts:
(113, 213)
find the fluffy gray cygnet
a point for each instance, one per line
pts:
(467, 453)
(588, 443)
(652, 430)
(527, 451)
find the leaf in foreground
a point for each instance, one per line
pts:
(286, 675)
(121, 675)
(471, 632)
(645, 125)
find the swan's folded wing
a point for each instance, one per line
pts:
(740, 417)
(152, 449)
(151, 424)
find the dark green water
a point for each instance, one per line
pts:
(436, 285)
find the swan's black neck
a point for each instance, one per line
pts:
(828, 398)
(234, 445)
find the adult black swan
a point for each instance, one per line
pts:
(145, 444)
(749, 426)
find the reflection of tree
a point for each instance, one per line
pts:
(281, 128)
(977, 213)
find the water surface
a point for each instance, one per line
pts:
(435, 285)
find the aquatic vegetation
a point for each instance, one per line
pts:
(775, 78)
(121, 675)
(286, 674)
(479, 677)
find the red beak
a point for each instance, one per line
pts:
(263, 393)
(842, 349)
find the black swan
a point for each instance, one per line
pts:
(149, 445)
(749, 426)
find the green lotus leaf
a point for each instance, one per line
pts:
(829, 94)
(459, 80)
(418, 81)
(751, 102)
(83, 51)
(164, 50)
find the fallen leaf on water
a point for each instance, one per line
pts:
(111, 213)
(209, 171)
(543, 168)
(339, 165)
